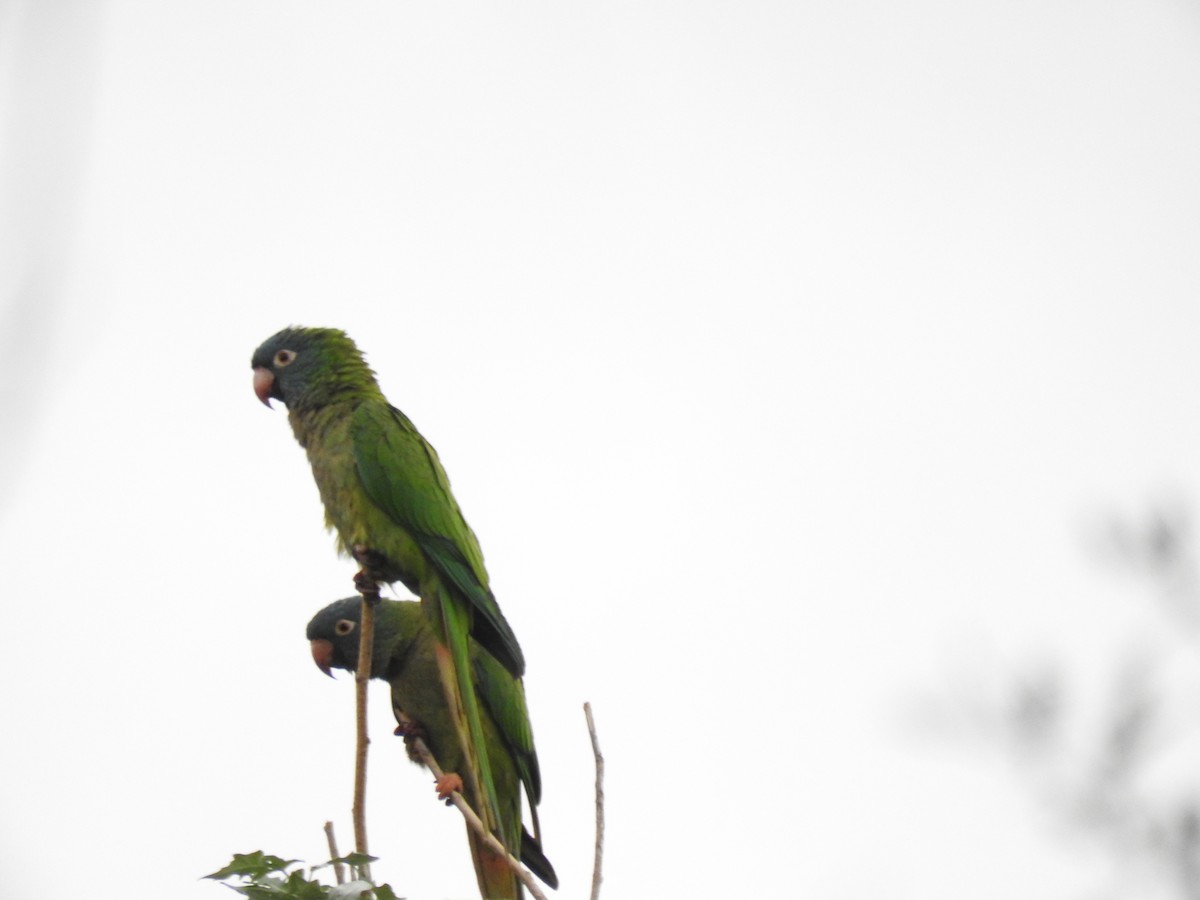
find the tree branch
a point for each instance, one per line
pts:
(596, 876)
(473, 821)
(339, 870)
(362, 674)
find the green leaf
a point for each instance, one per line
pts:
(252, 865)
(264, 892)
(302, 889)
(294, 887)
(266, 879)
(351, 859)
(357, 859)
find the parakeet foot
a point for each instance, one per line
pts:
(366, 585)
(373, 563)
(447, 785)
(409, 730)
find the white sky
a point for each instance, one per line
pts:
(777, 353)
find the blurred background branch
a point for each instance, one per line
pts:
(1112, 763)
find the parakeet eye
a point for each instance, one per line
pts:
(344, 626)
(284, 357)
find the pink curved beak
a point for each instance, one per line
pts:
(264, 381)
(322, 652)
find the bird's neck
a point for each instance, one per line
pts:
(313, 425)
(399, 646)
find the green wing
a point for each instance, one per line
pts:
(504, 697)
(402, 475)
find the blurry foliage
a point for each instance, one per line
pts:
(1161, 548)
(265, 877)
(1129, 776)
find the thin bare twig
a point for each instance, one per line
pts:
(473, 821)
(596, 876)
(339, 870)
(362, 674)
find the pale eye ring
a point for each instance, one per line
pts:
(284, 357)
(344, 626)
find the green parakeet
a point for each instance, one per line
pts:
(388, 498)
(404, 655)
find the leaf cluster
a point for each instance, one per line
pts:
(262, 876)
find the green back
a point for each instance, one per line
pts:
(402, 475)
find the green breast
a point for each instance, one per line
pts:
(327, 437)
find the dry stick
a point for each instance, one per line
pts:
(338, 869)
(473, 821)
(596, 877)
(362, 673)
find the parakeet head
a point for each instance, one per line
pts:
(309, 367)
(333, 633)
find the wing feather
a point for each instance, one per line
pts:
(402, 475)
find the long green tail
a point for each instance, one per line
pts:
(456, 672)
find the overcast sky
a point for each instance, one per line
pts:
(779, 355)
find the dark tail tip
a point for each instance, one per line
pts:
(535, 860)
